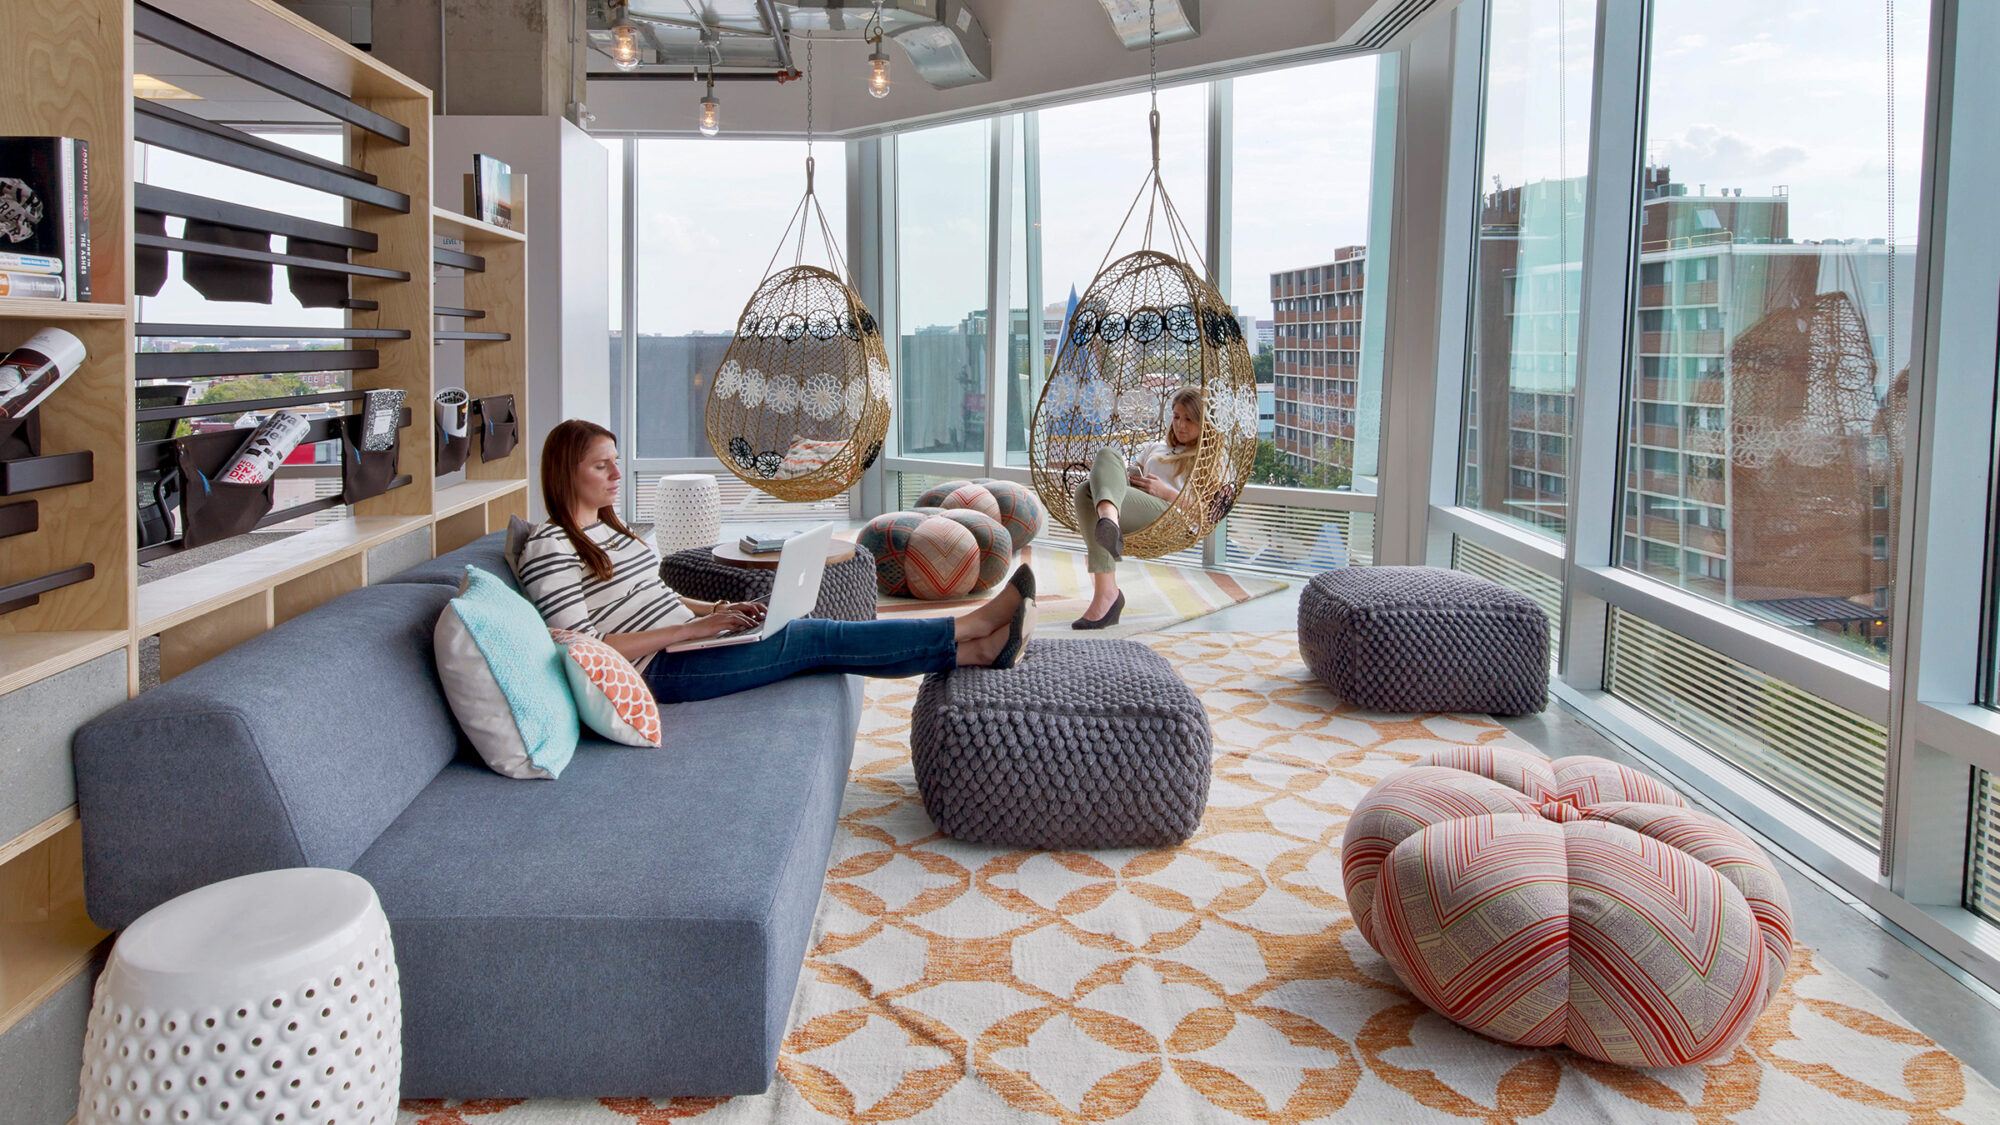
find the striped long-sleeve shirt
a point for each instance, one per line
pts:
(632, 600)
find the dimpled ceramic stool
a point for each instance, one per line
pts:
(269, 998)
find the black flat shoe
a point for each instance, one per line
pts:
(1023, 580)
(1018, 631)
(1111, 537)
(1109, 619)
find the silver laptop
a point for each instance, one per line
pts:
(794, 591)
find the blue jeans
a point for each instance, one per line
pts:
(883, 649)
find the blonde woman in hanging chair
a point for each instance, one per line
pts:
(1121, 497)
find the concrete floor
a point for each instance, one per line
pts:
(1939, 999)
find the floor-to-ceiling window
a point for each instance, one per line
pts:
(1520, 371)
(700, 244)
(942, 181)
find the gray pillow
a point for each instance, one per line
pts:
(518, 531)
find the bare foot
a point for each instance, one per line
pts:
(979, 652)
(993, 614)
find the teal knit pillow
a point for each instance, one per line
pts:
(504, 678)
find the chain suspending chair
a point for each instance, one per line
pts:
(1149, 324)
(800, 403)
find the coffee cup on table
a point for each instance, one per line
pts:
(453, 411)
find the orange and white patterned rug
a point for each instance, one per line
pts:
(1221, 981)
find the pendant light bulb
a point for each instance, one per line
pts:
(878, 73)
(625, 47)
(711, 121)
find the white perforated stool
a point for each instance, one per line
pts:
(270, 998)
(687, 512)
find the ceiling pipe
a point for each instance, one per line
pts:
(768, 11)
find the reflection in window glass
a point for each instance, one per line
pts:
(702, 243)
(1299, 259)
(941, 195)
(1025, 366)
(1773, 309)
(1527, 272)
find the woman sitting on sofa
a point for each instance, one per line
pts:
(586, 571)
(1121, 499)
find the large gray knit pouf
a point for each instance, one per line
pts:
(1418, 638)
(1084, 744)
(846, 593)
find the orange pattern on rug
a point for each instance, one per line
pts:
(1219, 981)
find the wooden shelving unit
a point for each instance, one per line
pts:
(66, 70)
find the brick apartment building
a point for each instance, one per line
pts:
(1316, 345)
(1761, 457)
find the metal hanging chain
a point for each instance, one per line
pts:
(1152, 189)
(809, 212)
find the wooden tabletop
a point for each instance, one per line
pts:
(838, 551)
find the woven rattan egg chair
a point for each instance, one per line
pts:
(1148, 325)
(800, 403)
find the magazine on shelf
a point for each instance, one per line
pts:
(493, 190)
(44, 285)
(45, 215)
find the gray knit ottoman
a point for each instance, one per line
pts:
(847, 593)
(1417, 638)
(1084, 744)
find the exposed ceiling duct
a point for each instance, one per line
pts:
(1134, 24)
(946, 45)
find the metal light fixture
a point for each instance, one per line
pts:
(878, 63)
(711, 124)
(624, 40)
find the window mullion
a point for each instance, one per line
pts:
(1604, 317)
(999, 284)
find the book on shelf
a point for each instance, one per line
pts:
(44, 285)
(754, 544)
(492, 191)
(45, 216)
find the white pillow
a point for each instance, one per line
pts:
(504, 679)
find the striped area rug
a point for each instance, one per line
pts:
(1156, 595)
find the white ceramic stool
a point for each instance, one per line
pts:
(270, 998)
(687, 512)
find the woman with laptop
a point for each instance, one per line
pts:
(585, 571)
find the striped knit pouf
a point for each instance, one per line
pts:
(1570, 902)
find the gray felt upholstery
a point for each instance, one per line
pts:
(1418, 639)
(1085, 744)
(487, 552)
(634, 929)
(846, 593)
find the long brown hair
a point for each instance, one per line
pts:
(1189, 397)
(562, 454)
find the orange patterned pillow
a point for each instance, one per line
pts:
(611, 697)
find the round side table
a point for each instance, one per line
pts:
(731, 554)
(267, 998)
(687, 512)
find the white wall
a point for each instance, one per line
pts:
(569, 278)
(1043, 50)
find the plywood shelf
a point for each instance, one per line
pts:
(46, 938)
(30, 308)
(454, 225)
(470, 494)
(27, 657)
(180, 598)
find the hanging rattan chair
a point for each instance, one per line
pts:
(800, 403)
(1148, 325)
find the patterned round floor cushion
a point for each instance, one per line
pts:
(1020, 509)
(996, 547)
(1569, 902)
(1015, 506)
(941, 559)
(887, 537)
(611, 696)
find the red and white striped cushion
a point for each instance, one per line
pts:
(611, 696)
(1573, 901)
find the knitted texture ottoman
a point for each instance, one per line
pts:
(1569, 902)
(846, 593)
(1418, 638)
(1085, 744)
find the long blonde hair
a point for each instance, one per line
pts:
(1180, 456)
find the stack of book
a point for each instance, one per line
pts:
(754, 544)
(45, 218)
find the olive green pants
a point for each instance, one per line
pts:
(1136, 509)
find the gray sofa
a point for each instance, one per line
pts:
(633, 929)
